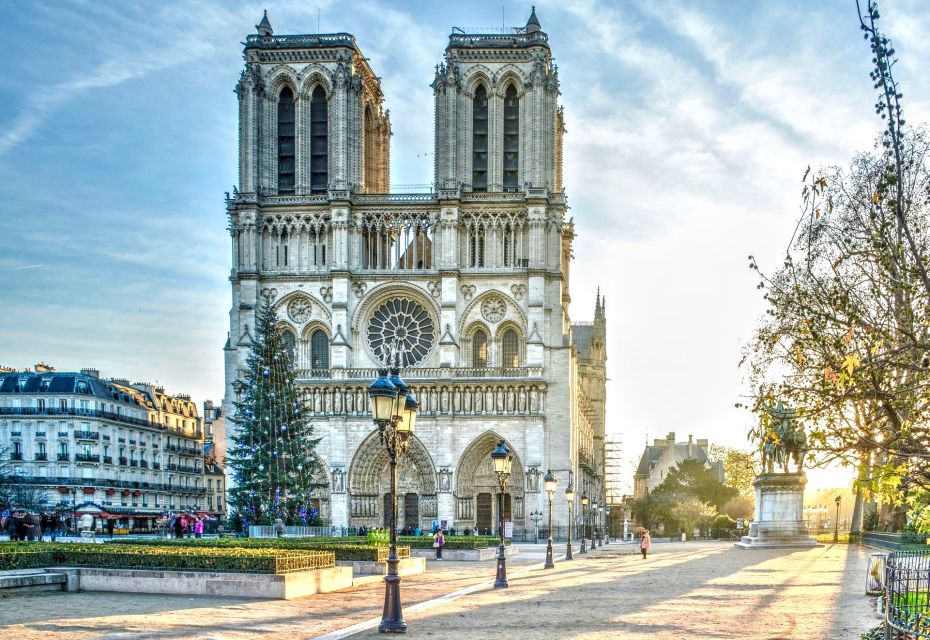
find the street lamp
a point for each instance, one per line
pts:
(584, 521)
(593, 512)
(394, 411)
(570, 499)
(502, 459)
(607, 537)
(536, 516)
(836, 527)
(549, 481)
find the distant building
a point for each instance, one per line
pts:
(666, 454)
(104, 447)
(214, 449)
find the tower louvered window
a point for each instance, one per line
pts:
(319, 144)
(286, 141)
(479, 162)
(479, 350)
(511, 138)
(511, 349)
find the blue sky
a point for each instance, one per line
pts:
(689, 127)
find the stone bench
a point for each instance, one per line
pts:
(31, 580)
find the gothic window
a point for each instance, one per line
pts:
(397, 244)
(476, 246)
(290, 343)
(318, 238)
(281, 251)
(400, 329)
(479, 162)
(286, 141)
(479, 349)
(319, 145)
(511, 138)
(510, 348)
(370, 155)
(510, 246)
(319, 350)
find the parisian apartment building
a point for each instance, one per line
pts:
(106, 447)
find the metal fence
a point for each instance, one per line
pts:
(907, 595)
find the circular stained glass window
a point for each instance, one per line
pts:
(403, 328)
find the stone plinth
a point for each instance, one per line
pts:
(779, 518)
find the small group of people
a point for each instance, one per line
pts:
(20, 524)
(186, 526)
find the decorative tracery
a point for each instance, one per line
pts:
(401, 331)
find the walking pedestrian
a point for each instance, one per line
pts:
(439, 541)
(198, 528)
(178, 527)
(645, 543)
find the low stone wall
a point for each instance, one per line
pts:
(238, 585)
(405, 566)
(464, 555)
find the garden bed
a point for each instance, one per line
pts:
(343, 551)
(163, 558)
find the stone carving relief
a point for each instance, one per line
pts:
(269, 294)
(518, 291)
(435, 288)
(359, 288)
(339, 481)
(532, 480)
(299, 310)
(327, 293)
(445, 480)
(468, 291)
(494, 309)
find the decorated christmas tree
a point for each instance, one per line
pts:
(273, 452)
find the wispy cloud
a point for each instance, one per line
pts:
(22, 267)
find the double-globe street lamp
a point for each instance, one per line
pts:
(550, 482)
(502, 459)
(536, 516)
(584, 521)
(570, 499)
(607, 515)
(593, 512)
(394, 410)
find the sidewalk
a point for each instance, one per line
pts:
(691, 590)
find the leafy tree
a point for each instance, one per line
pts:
(24, 496)
(845, 340)
(273, 457)
(739, 468)
(691, 512)
(691, 478)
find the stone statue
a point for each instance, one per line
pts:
(784, 441)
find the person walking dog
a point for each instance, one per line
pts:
(645, 543)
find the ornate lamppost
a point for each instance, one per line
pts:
(549, 481)
(836, 527)
(600, 525)
(584, 521)
(570, 499)
(536, 516)
(502, 459)
(593, 512)
(394, 410)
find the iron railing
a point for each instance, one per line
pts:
(90, 413)
(424, 373)
(907, 595)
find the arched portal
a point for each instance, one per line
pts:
(370, 484)
(476, 488)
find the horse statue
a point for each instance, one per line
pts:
(784, 442)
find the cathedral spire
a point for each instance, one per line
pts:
(532, 25)
(264, 27)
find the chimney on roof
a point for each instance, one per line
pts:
(702, 442)
(42, 367)
(122, 381)
(658, 442)
(93, 373)
(160, 390)
(670, 439)
(5, 369)
(690, 446)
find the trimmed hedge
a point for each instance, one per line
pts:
(452, 542)
(225, 560)
(343, 551)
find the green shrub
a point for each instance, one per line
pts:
(344, 551)
(452, 542)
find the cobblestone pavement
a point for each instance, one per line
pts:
(690, 590)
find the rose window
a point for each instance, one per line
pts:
(299, 310)
(401, 329)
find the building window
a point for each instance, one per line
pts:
(290, 344)
(479, 161)
(319, 144)
(476, 246)
(479, 349)
(511, 138)
(319, 350)
(286, 141)
(510, 348)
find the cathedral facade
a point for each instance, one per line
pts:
(468, 284)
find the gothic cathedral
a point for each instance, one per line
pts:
(467, 283)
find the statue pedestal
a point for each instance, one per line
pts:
(779, 517)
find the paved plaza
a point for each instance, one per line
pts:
(684, 590)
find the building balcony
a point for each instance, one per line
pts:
(106, 483)
(64, 457)
(40, 434)
(123, 440)
(16, 455)
(123, 461)
(190, 451)
(86, 435)
(144, 464)
(107, 438)
(16, 434)
(41, 457)
(156, 465)
(86, 413)
(133, 463)
(132, 441)
(86, 457)
(62, 434)
(107, 459)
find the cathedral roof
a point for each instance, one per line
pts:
(581, 336)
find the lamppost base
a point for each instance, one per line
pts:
(392, 620)
(500, 580)
(549, 563)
